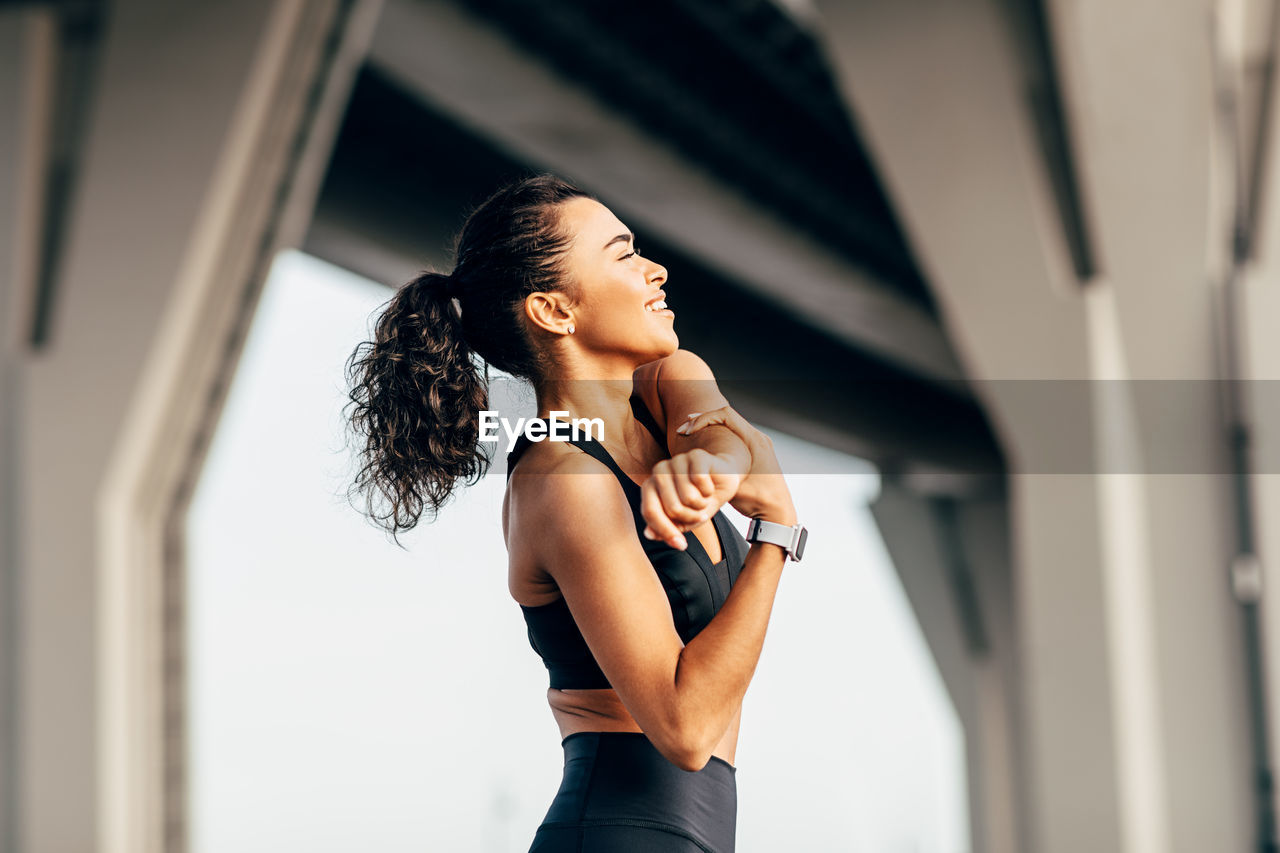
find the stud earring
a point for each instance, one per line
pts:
(571, 330)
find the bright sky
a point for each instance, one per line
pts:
(348, 695)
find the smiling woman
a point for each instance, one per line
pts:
(302, 623)
(650, 638)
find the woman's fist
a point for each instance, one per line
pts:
(763, 492)
(684, 491)
(690, 487)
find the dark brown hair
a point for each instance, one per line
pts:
(415, 389)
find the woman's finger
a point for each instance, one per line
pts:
(727, 416)
(697, 420)
(688, 425)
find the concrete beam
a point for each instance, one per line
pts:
(458, 62)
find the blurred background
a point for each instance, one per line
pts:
(998, 276)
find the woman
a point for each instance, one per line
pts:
(650, 637)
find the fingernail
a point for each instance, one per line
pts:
(693, 415)
(682, 428)
(681, 543)
(648, 533)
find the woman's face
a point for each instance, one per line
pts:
(615, 285)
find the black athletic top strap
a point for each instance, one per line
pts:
(643, 416)
(638, 408)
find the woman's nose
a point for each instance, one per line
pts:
(658, 273)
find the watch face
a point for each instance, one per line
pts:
(804, 537)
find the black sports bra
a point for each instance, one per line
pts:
(696, 587)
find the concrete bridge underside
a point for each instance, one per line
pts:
(1083, 621)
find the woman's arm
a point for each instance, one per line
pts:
(682, 696)
(679, 385)
(690, 488)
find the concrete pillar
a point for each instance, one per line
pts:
(1143, 120)
(1258, 313)
(209, 130)
(27, 43)
(952, 557)
(1129, 676)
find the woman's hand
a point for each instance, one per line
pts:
(689, 488)
(684, 491)
(763, 493)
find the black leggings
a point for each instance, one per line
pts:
(620, 794)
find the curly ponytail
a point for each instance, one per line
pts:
(415, 390)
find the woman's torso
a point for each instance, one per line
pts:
(597, 709)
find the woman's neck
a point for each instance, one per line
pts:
(606, 399)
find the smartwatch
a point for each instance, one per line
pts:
(790, 537)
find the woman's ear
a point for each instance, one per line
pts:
(549, 310)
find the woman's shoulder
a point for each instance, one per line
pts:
(552, 469)
(558, 485)
(653, 380)
(682, 382)
(682, 364)
(530, 461)
(565, 494)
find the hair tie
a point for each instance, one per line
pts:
(449, 291)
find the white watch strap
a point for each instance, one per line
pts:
(791, 538)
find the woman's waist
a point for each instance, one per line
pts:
(583, 711)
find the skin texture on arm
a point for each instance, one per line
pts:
(711, 456)
(616, 599)
(682, 493)
(682, 697)
(679, 385)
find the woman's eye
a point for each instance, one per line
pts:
(633, 252)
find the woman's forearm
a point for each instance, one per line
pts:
(716, 666)
(714, 669)
(717, 439)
